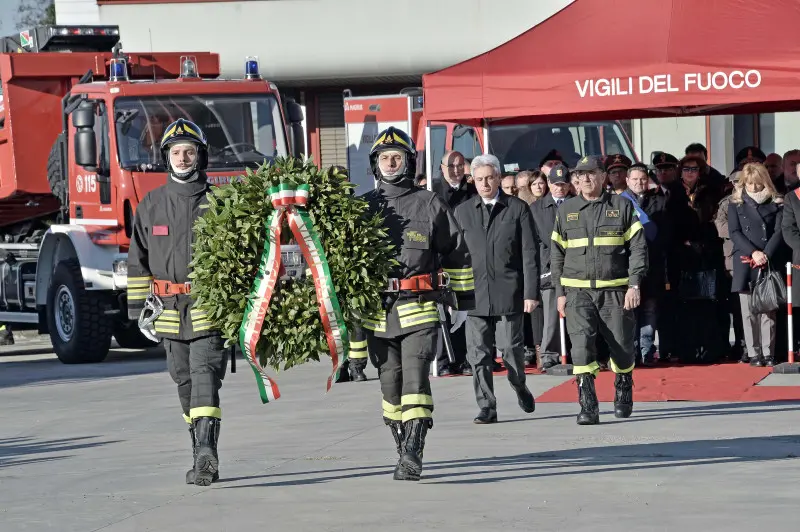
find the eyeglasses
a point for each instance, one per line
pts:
(691, 169)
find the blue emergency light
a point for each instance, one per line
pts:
(251, 68)
(118, 70)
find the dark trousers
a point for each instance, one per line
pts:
(483, 333)
(459, 340)
(551, 335)
(198, 367)
(359, 354)
(667, 320)
(404, 365)
(592, 313)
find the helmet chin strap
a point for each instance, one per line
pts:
(396, 176)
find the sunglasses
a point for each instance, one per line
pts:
(691, 169)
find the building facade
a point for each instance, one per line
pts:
(314, 49)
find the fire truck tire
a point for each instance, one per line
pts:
(128, 336)
(55, 172)
(79, 328)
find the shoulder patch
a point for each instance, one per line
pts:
(612, 213)
(572, 216)
(416, 236)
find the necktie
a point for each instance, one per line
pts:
(489, 208)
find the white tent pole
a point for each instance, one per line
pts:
(428, 162)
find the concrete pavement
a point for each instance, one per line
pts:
(104, 447)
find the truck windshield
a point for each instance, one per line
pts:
(522, 147)
(242, 130)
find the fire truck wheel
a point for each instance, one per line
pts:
(55, 171)
(128, 336)
(79, 328)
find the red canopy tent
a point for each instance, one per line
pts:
(610, 59)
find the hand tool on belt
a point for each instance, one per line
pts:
(438, 282)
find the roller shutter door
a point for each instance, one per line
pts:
(333, 145)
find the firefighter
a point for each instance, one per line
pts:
(434, 266)
(158, 268)
(598, 259)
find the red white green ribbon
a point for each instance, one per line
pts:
(289, 202)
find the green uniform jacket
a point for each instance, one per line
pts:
(161, 248)
(597, 244)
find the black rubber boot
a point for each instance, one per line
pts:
(206, 460)
(623, 398)
(397, 433)
(6, 336)
(409, 467)
(357, 371)
(190, 473)
(587, 398)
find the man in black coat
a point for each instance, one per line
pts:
(454, 189)
(499, 232)
(651, 206)
(544, 217)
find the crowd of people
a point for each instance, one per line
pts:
(708, 236)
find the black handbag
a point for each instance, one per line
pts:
(768, 293)
(698, 285)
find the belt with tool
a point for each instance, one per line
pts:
(427, 282)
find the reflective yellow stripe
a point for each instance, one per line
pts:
(168, 330)
(376, 322)
(205, 411)
(416, 413)
(462, 286)
(593, 368)
(616, 369)
(416, 399)
(580, 283)
(392, 412)
(408, 309)
(612, 282)
(196, 327)
(419, 319)
(140, 294)
(358, 345)
(609, 241)
(575, 283)
(555, 237)
(576, 243)
(358, 353)
(635, 228)
(2, 327)
(458, 273)
(169, 319)
(139, 281)
(187, 419)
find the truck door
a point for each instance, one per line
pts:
(92, 193)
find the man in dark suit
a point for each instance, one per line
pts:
(453, 188)
(499, 232)
(544, 217)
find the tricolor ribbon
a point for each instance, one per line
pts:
(289, 202)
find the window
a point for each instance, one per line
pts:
(466, 142)
(437, 148)
(242, 130)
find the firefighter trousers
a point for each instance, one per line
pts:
(198, 367)
(404, 364)
(598, 312)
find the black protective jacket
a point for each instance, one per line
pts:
(428, 239)
(161, 248)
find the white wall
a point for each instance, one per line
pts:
(318, 39)
(83, 12)
(671, 135)
(787, 132)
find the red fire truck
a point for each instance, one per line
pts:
(519, 147)
(80, 125)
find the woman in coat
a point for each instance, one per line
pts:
(755, 213)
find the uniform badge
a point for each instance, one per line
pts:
(572, 216)
(613, 213)
(160, 230)
(416, 236)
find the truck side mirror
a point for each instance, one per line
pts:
(85, 141)
(297, 139)
(294, 112)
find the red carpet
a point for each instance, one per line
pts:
(723, 383)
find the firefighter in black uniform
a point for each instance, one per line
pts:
(6, 336)
(432, 252)
(158, 269)
(598, 259)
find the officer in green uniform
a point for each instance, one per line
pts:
(434, 265)
(598, 259)
(158, 275)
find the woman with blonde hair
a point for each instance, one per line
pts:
(754, 223)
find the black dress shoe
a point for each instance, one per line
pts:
(485, 417)
(548, 363)
(757, 361)
(444, 372)
(466, 369)
(769, 362)
(526, 401)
